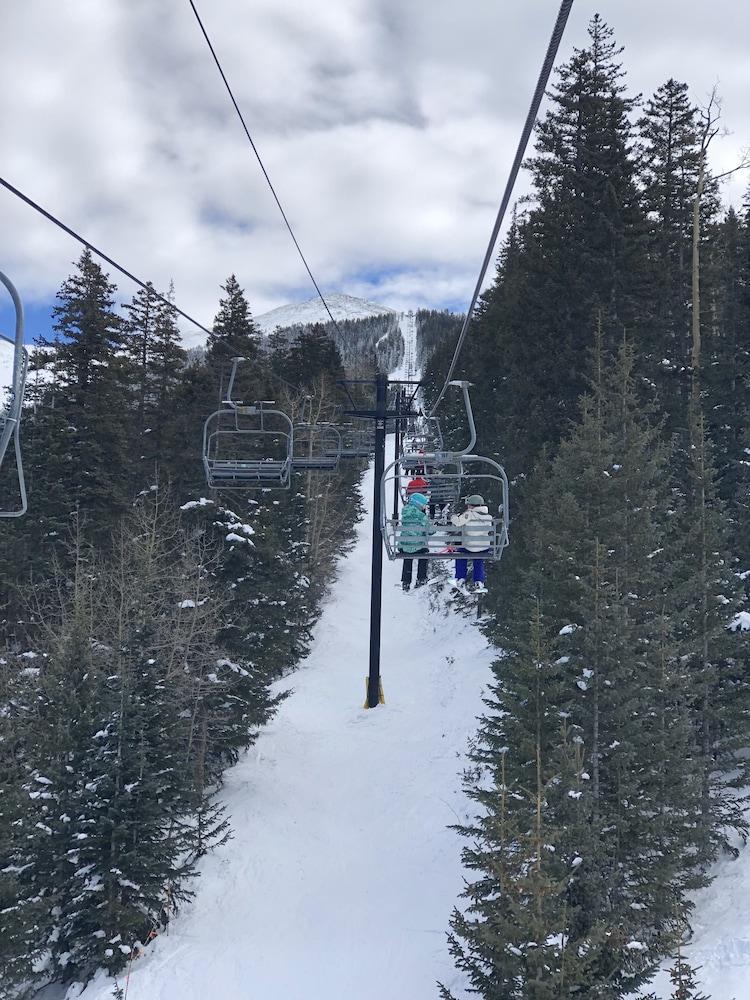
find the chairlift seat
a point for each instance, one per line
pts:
(449, 541)
(247, 446)
(458, 474)
(317, 448)
(222, 473)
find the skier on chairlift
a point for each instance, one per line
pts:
(417, 485)
(416, 529)
(476, 525)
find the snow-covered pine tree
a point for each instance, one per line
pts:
(625, 780)
(22, 909)
(124, 743)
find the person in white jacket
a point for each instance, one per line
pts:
(476, 536)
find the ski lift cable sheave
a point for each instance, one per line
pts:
(10, 416)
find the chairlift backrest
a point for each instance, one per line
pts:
(450, 476)
(465, 474)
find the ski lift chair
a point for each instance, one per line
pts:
(357, 441)
(472, 474)
(366, 440)
(452, 475)
(11, 395)
(347, 441)
(247, 447)
(317, 448)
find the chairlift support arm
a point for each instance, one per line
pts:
(12, 424)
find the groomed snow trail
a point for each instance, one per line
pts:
(342, 872)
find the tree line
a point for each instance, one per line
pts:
(610, 368)
(142, 619)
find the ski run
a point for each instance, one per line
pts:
(342, 871)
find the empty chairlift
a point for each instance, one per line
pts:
(357, 441)
(247, 446)
(14, 360)
(317, 448)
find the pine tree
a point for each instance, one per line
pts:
(683, 978)
(134, 717)
(311, 354)
(708, 596)
(152, 344)
(91, 393)
(727, 378)
(593, 676)
(578, 253)
(670, 155)
(234, 333)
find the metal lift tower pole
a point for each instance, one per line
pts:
(399, 439)
(376, 591)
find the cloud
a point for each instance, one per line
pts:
(388, 129)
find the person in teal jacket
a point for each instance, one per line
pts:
(416, 528)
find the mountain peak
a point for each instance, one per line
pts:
(313, 311)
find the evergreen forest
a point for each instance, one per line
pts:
(611, 366)
(143, 617)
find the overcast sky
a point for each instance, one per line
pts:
(387, 126)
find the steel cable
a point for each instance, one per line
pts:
(536, 100)
(260, 161)
(100, 253)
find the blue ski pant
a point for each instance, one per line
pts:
(477, 566)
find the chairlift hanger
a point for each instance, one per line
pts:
(10, 418)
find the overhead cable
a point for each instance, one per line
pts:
(260, 161)
(549, 61)
(100, 253)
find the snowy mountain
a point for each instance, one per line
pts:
(312, 311)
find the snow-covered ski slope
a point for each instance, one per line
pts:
(342, 872)
(341, 875)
